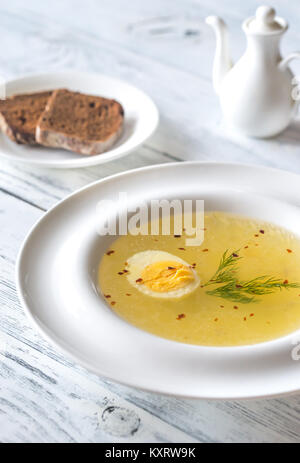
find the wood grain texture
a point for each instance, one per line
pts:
(164, 48)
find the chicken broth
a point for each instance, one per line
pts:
(241, 286)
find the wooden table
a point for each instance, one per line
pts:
(165, 48)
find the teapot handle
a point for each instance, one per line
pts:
(285, 61)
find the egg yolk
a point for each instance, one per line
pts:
(166, 276)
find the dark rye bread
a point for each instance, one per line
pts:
(19, 115)
(82, 123)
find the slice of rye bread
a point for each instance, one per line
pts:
(82, 123)
(19, 115)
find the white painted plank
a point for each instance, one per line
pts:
(273, 420)
(44, 187)
(42, 400)
(172, 32)
(145, 43)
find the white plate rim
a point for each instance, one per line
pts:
(80, 361)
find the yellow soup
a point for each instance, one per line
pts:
(241, 286)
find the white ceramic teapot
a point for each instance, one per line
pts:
(256, 93)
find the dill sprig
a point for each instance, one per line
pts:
(231, 293)
(236, 290)
(227, 268)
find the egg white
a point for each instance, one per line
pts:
(137, 263)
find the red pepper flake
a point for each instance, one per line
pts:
(216, 319)
(238, 286)
(177, 236)
(204, 229)
(110, 252)
(181, 249)
(262, 231)
(222, 307)
(125, 271)
(256, 235)
(139, 280)
(285, 282)
(251, 315)
(112, 302)
(108, 296)
(235, 307)
(245, 318)
(171, 268)
(234, 254)
(120, 273)
(204, 250)
(289, 250)
(180, 316)
(126, 263)
(127, 294)
(246, 247)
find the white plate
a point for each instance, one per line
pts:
(57, 275)
(141, 118)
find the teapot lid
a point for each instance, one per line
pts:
(265, 22)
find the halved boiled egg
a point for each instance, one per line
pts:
(161, 274)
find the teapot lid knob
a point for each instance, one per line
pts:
(265, 14)
(265, 22)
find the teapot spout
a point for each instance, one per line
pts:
(222, 62)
